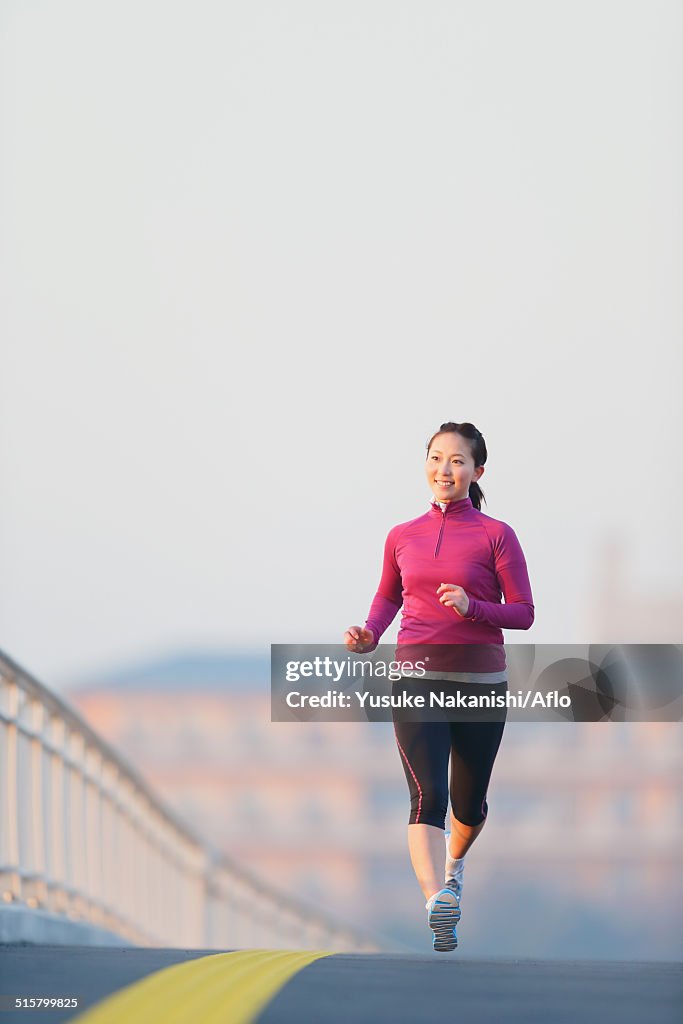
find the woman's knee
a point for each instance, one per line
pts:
(469, 812)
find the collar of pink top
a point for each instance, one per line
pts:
(450, 508)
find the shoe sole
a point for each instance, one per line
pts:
(443, 917)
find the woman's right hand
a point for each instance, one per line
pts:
(358, 640)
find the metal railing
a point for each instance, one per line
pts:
(83, 837)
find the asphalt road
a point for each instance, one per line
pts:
(370, 989)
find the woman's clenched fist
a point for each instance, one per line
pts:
(453, 596)
(358, 639)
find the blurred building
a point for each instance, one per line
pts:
(622, 610)
(580, 856)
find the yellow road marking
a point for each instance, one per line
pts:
(223, 988)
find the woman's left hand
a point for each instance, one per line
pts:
(454, 596)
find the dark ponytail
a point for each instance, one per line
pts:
(477, 447)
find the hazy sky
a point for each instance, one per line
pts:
(254, 253)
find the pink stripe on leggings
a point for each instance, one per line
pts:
(419, 787)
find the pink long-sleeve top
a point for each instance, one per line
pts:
(453, 543)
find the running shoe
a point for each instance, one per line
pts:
(443, 914)
(454, 873)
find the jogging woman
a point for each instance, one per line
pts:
(449, 569)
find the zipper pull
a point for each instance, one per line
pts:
(438, 542)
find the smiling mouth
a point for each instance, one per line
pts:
(445, 483)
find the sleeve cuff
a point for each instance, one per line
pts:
(374, 638)
(471, 610)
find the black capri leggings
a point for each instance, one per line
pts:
(426, 746)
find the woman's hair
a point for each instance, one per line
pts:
(477, 448)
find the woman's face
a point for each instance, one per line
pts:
(450, 467)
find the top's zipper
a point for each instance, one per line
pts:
(438, 542)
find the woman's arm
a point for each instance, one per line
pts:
(513, 579)
(389, 596)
